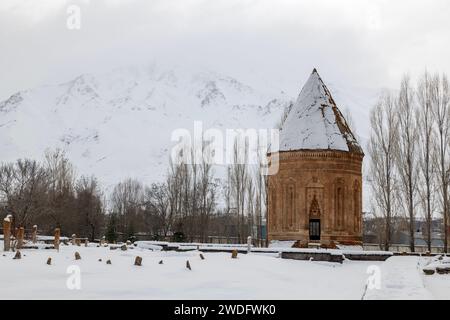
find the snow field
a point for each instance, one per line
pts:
(251, 276)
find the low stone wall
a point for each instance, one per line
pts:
(367, 257)
(334, 257)
(315, 256)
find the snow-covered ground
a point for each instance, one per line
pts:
(401, 278)
(251, 276)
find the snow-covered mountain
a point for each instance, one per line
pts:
(119, 124)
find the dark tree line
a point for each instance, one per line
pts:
(190, 205)
(48, 195)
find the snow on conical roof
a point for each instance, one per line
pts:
(315, 122)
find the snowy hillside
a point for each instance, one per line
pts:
(119, 124)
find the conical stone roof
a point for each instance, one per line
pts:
(315, 122)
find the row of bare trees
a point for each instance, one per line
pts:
(183, 204)
(245, 194)
(49, 195)
(409, 149)
(191, 204)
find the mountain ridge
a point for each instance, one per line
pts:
(105, 122)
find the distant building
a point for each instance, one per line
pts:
(316, 196)
(374, 232)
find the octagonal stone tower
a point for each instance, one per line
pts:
(316, 196)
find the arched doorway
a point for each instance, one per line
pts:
(314, 229)
(314, 219)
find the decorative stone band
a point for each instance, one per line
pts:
(318, 154)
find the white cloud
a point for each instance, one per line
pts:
(364, 42)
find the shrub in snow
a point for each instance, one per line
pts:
(443, 269)
(178, 237)
(138, 261)
(428, 271)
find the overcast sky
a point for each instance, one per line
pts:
(364, 43)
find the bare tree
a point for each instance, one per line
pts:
(61, 175)
(23, 186)
(239, 178)
(440, 97)
(382, 149)
(89, 206)
(227, 191)
(207, 192)
(260, 191)
(406, 153)
(158, 205)
(127, 202)
(425, 149)
(174, 184)
(46, 195)
(250, 194)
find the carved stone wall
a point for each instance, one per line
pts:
(319, 185)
